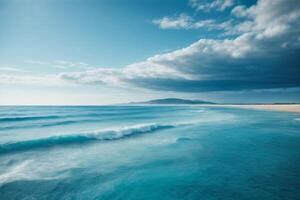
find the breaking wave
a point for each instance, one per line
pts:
(82, 137)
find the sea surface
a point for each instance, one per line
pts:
(148, 152)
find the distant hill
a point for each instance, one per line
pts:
(173, 101)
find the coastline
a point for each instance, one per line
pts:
(293, 108)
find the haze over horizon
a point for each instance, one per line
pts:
(104, 52)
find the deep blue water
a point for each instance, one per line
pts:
(148, 152)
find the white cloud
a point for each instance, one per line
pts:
(61, 64)
(12, 70)
(269, 19)
(107, 76)
(48, 80)
(121, 77)
(182, 21)
(240, 11)
(219, 5)
(36, 62)
(67, 64)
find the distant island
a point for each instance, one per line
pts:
(174, 101)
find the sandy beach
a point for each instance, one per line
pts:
(295, 108)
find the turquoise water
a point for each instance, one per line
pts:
(148, 152)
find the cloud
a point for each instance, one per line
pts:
(61, 64)
(105, 76)
(67, 64)
(184, 21)
(219, 5)
(240, 11)
(36, 62)
(48, 80)
(11, 70)
(125, 76)
(264, 55)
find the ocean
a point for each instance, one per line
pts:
(152, 152)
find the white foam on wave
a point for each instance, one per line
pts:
(125, 131)
(30, 170)
(15, 172)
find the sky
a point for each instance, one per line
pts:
(89, 52)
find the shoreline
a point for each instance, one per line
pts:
(293, 108)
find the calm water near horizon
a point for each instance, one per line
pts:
(148, 152)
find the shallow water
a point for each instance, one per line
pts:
(148, 152)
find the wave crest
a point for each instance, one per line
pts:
(81, 137)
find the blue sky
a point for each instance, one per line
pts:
(102, 52)
(102, 33)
